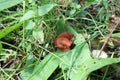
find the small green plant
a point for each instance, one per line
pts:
(28, 29)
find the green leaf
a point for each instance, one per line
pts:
(28, 68)
(43, 70)
(75, 5)
(40, 70)
(116, 34)
(42, 10)
(61, 27)
(29, 25)
(4, 4)
(91, 65)
(38, 35)
(90, 0)
(101, 15)
(105, 4)
(28, 15)
(7, 30)
(70, 12)
(0, 46)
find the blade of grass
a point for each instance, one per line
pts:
(0, 46)
(7, 30)
(17, 48)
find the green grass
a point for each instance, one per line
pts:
(28, 29)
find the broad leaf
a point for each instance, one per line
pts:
(28, 68)
(4, 4)
(38, 35)
(42, 10)
(91, 65)
(43, 70)
(61, 27)
(29, 24)
(39, 70)
(28, 15)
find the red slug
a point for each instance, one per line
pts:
(64, 41)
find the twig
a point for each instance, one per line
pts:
(117, 22)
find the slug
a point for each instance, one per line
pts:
(64, 41)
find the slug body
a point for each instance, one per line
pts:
(64, 41)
